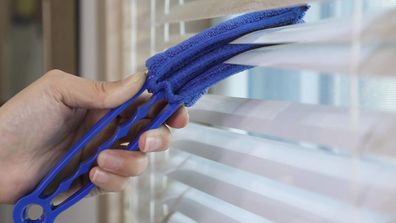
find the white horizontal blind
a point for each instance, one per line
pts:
(326, 46)
(216, 8)
(250, 160)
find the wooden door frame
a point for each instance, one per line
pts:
(60, 31)
(4, 35)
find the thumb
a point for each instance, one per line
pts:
(77, 92)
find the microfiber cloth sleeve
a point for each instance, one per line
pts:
(193, 90)
(184, 72)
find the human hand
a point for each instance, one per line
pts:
(43, 121)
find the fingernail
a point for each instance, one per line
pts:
(152, 144)
(100, 177)
(111, 161)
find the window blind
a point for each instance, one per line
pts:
(326, 46)
(274, 159)
(187, 11)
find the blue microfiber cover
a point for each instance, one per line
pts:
(185, 72)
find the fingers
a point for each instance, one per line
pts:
(155, 140)
(177, 120)
(77, 92)
(122, 162)
(107, 181)
(180, 119)
(115, 167)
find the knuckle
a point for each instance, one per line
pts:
(52, 78)
(51, 84)
(54, 75)
(100, 86)
(101, 90)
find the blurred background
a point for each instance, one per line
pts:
(28, 33)
(108, 39)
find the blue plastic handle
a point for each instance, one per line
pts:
(37, 197)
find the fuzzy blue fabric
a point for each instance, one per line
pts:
(185, 72)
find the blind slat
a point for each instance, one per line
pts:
(374, 59)
(262, 196)
(202, 207)
(180, 218)
(217, 8)
(317, 171)
(379, 27)
(323, 125)
(173, 41)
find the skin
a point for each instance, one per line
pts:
(40, 123)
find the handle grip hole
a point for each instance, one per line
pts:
(35, 212)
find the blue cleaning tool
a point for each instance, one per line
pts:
(180, 76)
